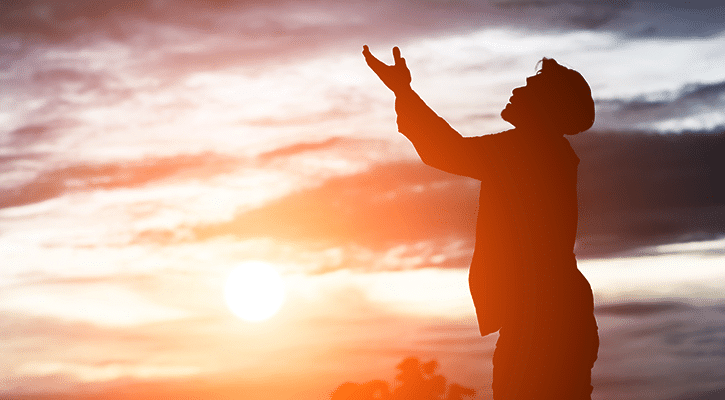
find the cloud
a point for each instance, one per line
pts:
(315, 24)
(673, 353)
(701, 101)
(635, 190)
(583, 14)
(641, 309)
(304, 147)
(85, 177)
(645, 189)
(668, 349)
(645, 18)
(382, 207)
(702, 395)
(58, 21)
(370, 150)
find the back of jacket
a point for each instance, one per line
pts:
(523, 268)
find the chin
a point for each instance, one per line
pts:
(507, 116)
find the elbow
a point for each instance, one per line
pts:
(430, 159)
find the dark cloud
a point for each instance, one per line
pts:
(57, 21)
(62, 81)
(30, 134)
(645, 189)
(683, 18)
(635, 190)
(299, 25)
(703, 395)
(668, 349)
(641, 309)
(84, 177)
(648, 18)
(584, 14)
(691, 100)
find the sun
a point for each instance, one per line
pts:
(254, 291)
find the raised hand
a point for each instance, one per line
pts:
(396, 77)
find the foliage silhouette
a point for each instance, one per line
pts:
(418, 381)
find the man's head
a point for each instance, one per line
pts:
(557, 99)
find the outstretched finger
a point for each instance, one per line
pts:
(396, 54)
(371, 60)
(398, 59)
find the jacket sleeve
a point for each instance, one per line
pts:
(437, 143)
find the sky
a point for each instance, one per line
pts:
(147, 148)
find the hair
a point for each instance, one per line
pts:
(570, 108)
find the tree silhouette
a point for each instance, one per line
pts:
(417, 381)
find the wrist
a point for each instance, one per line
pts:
(403, 91)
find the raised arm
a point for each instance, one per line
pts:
(437, 144)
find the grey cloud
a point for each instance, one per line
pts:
(584, 14)
(55, 78)
(691, 100)
(51, 91)
(169, 39)
(703, 395)
(57, 21)
(30, 134)
(668, 349)
(295, 26)
(644, 18)
(641, 309)
(644, 189)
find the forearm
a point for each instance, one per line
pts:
(436, 142)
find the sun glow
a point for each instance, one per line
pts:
(254, 291)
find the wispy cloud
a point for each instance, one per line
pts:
(82, 177)
(149, 146)
(351, 209)
(299, 27)
(666, 193)
(368, 197)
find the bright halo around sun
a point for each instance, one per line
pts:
(254, 291)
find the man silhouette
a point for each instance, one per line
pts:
(523, 277)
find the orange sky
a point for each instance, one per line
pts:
(149, 148)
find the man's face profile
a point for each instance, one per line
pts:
(527, 103)
(556, 100)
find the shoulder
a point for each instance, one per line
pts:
(509, 136)
(501, 142)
